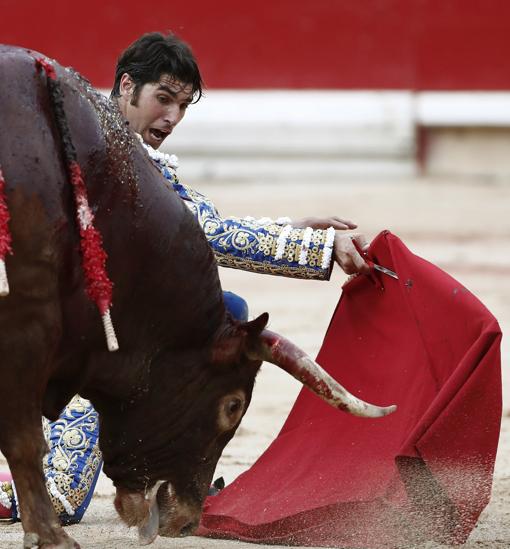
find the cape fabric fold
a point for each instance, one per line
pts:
(422, 342)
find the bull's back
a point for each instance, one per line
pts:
(29, 158)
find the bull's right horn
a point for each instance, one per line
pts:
(274, 348)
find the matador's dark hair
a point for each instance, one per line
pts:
(154, 54)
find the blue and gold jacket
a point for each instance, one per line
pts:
(259, 245)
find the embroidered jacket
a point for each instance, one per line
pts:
(258, 245)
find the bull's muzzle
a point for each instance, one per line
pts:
(157, 511)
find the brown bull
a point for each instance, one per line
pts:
(173, 395)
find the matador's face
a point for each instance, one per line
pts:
(156, 108)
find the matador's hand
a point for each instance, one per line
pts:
(323, 223)
(346, 254)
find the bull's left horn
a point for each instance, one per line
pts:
(274, 348)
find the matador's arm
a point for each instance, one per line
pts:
(259, 245)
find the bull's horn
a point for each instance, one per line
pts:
(274, 348)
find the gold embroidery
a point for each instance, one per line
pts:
(293, 271)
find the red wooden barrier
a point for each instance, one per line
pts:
(345, 44)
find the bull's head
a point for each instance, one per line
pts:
(163, 477)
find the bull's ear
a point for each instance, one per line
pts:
(254, 327)
(230, 346)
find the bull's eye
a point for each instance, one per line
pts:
(233, 406)
(231, 410)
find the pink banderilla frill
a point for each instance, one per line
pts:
(5, 238)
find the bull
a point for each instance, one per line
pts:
(173, 395)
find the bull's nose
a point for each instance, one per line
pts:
(189, 528)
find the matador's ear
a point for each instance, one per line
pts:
(126, 85)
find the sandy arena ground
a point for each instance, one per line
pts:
(464, 227)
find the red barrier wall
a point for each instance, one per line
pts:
(347, 44)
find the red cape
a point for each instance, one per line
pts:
(423, 342)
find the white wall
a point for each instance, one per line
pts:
(289, 135)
